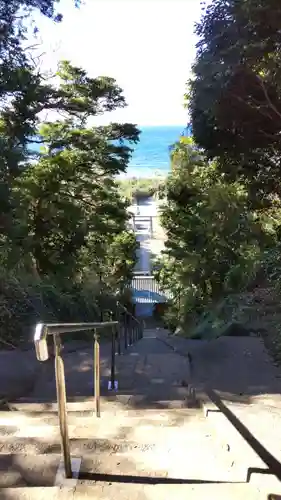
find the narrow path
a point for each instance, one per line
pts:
(145, 207)
(150, 244)
(158, 374)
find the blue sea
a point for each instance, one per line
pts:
(151, 155)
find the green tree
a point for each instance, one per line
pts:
(63, 223)
(213, 241)
(235, 94)
(70, 196)
(21, 98)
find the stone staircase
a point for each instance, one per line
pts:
(153, 440)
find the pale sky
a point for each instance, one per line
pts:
(146, 45)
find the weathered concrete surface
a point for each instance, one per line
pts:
(142, 375)
(263, 421)
(128, 491)
(238, 368)
(131, 452)
(18, 373)
(171, 443)
(244, 376)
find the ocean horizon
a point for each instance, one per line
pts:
(151, 155)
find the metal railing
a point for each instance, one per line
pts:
(131, 333)
(130, 330)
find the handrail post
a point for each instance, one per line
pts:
(133, 332)
(118, 330)
(62, 411)
(130, 331)
(113, 358)
(97, 372)
(126, 331)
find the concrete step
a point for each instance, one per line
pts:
(39, 433)
(181, 445)
(79, 446)
(202, 463)
(116, 401)
(26, 470)
(244, 455)
(145, 400)
(88, 417)
(177, 389)
(129, 491)
(112, 430)
(86, 406)
(264, 422)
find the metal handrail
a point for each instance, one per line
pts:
(128, 312)
(42, 330)
(118, 303)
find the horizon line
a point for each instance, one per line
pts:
(161, 125)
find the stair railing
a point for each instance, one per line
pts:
(130, 329)
(42, 331)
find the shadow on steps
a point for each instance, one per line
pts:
(119, 478)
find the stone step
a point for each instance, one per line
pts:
(201, 463)
(190, 439)
(263, 422)
(114, 428)
(113, 404)
(46, 435)
(79, 447)
(88, 417)
(129, 491)
(230, 437)
(77, 403)
(27, 470)
(118, 402)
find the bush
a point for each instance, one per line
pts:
(25, 300)
(216, 247)
(134, 187)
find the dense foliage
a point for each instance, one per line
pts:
(63, 223)
(222, 212)
(216, 247)
(235, 93)
(140, 187)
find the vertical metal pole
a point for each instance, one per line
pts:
(113, 358)
(62, 412)
(125, 331)
(97, 373)
(130, 330)
(118, 332)
(118, 328)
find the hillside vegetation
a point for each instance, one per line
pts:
(133, 187)
(222, 215)
(63, 225)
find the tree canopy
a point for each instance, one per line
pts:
(63, 221)
(213, 241)
(221, 208)
(235, 94)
